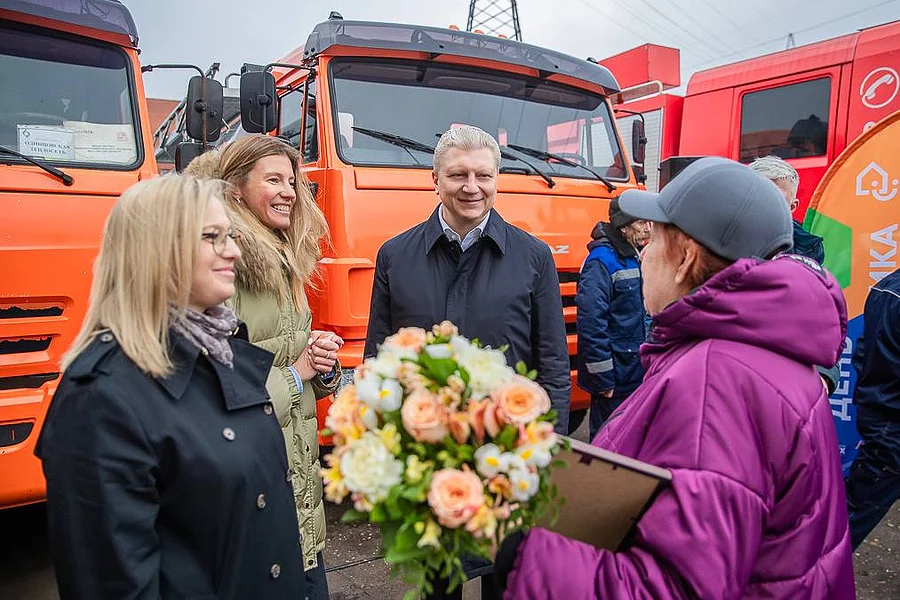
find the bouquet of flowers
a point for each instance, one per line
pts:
(445, 447)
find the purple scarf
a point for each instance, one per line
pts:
(210, 330)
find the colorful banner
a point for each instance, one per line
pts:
(856, 209)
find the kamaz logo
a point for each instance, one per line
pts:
(561, 249)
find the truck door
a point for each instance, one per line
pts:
(794, 117)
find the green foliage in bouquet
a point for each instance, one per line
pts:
(445, 447)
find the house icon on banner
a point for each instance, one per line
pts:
(875, 181)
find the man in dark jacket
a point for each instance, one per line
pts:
(874, 482)
(787, 180)
(494, 281)
(611, 320)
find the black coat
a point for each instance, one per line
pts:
(502, 290)
(172, 488)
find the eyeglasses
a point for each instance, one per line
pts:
(219, 239)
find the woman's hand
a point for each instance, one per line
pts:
(322, 350)
(304, 367)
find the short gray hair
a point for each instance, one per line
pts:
(467, 137)
(774, 168)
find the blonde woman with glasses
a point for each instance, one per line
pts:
(282, 229)
(165, 465)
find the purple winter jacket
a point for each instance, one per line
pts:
(732, 405)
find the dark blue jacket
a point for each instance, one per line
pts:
(810, 245)
(611, 319)
(877, 363)
(504, 290)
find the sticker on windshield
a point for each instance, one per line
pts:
(103, 143)
(47, 141)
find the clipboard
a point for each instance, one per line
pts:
(606, 495)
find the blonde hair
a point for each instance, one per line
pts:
(146, 264)
(467, 137)
(299, 245)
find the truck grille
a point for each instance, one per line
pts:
(568, 280)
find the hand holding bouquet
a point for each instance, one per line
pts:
(443, 445)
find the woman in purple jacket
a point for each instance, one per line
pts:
(731, 404)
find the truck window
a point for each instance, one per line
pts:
(790, 121)
(426, 99)
(311, 134)
(289, 116)
(66, 100)
(291, 120)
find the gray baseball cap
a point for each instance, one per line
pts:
(730, 209)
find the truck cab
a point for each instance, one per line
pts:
(366, 102)
(73, 136)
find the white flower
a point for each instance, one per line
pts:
(439, 350)
(368, 416)
(524, 484)
(384, 395)
(369, 468)
(487, 460)
(387, 365)
(368, 387)
(510, 463)
(459, 344)
(536, 455)
(487, 369)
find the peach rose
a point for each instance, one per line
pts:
(483, 418)
(459, 427)
(410, 376)
(521, 401)
(424, 417)
(455, 496)
(493, 419)
(475, 412)
(445, 329)
(408, 341)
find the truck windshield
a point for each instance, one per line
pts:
(419, 101)
(64, 100)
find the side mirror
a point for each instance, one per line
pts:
(203, 111)
(639, 173)
(258, 102)
(638, 141)
(185, 152)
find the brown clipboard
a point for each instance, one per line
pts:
(605, 495)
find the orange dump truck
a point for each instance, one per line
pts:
(365, 103)
(73, 135)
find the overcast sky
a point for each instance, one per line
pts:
(708, 32)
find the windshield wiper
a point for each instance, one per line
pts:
(548, 156)
(504, 153)
(64, 177)
(397, 140)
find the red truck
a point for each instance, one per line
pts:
(806, 105)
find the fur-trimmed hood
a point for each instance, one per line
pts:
(259, 268)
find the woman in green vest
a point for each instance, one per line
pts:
(281, 229)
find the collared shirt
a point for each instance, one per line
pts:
(504, 291)
(471, 237)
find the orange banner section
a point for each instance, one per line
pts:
(856, 209)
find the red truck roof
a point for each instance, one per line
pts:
(861, 44)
